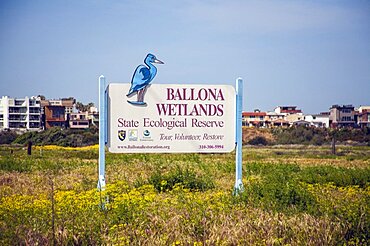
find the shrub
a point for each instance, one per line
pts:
(187, 178)
(9, 163)
(276, 187)
(259, 140)
(338, 176)
(61, 137)
(7, 136)
(302, 135)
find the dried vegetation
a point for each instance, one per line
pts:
(293, 195)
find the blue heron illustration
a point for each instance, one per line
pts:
(142, 77)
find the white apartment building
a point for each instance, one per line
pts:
(318, 120)
(20, 113)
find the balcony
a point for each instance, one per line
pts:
(35, 104)
(37, 119)
(13, 110)
(19, 103)
(34, 110)
(35, 125)
(55, 119)
(17, 118)
(17, 125)
(80, 124)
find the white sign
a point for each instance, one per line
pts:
(171, 118)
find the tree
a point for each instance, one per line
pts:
(82, 107)
(79, 106)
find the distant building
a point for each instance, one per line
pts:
(254, 119)
(279, 123)
(93, 116)
(79, 120)
(274, 119)
(294, 118)
(318, 120)
(56, 112)
(287, 110)
(342, 116)
(283, 116)
(363, 117)
(301, 123)
(20, 113)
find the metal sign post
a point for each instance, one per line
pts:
(102, 131)
(238, 136)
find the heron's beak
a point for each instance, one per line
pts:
(158, 61)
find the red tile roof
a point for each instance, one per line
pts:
(254, 113)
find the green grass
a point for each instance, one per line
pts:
(297, 195)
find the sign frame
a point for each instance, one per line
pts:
(103, 133)
(176, 118)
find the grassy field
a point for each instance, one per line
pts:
(293, 195)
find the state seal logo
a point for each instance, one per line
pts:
(122, 135)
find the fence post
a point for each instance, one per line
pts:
(29, 147)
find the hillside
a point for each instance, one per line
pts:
(251, 133)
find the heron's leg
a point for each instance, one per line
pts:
(140, 95)
(144, 91)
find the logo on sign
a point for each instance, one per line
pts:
(122, 135)
(146, 134)
(132, 135)
(143, 75)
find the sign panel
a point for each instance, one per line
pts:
(171, 118)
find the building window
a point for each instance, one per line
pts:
(347, 111)
(34, 125)
(17, 125)
(19, 102)
(34, 110)
(34, 118)
(58, 113)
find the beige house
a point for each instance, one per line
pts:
(79, 120)
(342, 116)
(274, 119)
(363, 117)
(291, 118)
(254, 119)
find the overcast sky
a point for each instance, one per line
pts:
(309, 53)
